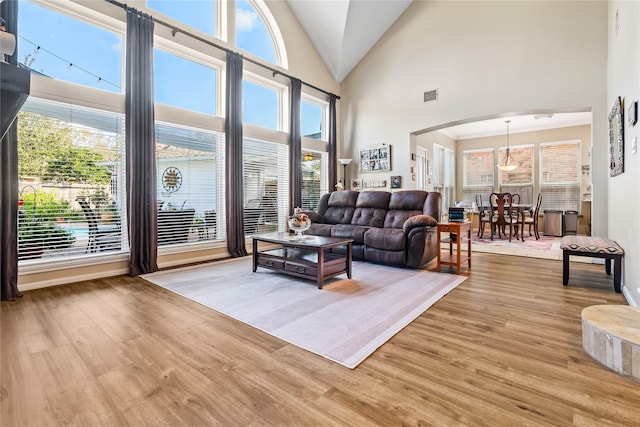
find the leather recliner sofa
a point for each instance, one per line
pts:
(396, 228)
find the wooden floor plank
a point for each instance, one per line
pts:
(503, 348)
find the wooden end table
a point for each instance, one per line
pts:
(307, 258)
(459, 257)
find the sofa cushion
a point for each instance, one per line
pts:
(408, 200)
(350, 231)
(385, 238)
(371, 208)
(395, 218)
(341, 205)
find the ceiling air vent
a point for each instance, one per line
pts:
(431, 95)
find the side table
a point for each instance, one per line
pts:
(457, 229)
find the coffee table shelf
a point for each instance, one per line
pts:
(308, 258)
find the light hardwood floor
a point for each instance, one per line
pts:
(504, 348)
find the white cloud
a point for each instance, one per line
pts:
(246, 20)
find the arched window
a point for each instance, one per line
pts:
(258, 33)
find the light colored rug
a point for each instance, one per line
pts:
(344, 322)
(548, 247)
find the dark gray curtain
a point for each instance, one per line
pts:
(9, 184)
(332, 147)
(295, 146)
(140, 145)
(234, 177)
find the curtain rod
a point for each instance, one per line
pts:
(175, 30)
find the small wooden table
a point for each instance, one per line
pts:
(307, 258)
(454, 228)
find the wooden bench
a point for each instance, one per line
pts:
(597, 247)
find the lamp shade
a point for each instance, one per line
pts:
(345, 161)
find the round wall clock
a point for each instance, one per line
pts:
(171, 179)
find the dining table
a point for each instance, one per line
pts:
(521, 208)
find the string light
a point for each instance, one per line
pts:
(70, 64)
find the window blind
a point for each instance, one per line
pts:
(314, 178)
(266, 184)
(190, 190)
(477, 170)
(560, 175)
(71, 182)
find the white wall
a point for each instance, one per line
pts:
(624, 191)
(485, 58)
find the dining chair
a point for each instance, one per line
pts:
(532, 221)
(502, 215)
(484, 214)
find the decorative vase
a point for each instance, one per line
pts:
(299, 223)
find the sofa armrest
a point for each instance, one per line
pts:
(315, 217)
(419, 221)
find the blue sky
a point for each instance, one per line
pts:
(67, 49)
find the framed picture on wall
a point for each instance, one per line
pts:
(616, 138)
(396, 181)
(375, 159)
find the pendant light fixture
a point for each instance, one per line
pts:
(506, 165)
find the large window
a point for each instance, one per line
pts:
(266, 186)
(560, 175)
(260, 105)
(63, 48)
(190, 183)
(312, 119)
(185, 84)
(477, 168)
(314, 178)
(196, 13)
(71, 181)
(444, 175)
(252, 34)
(520, 180)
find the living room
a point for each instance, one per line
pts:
(486, 59)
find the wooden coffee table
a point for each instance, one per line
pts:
(307, 258)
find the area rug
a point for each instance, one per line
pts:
(548, 247)
(345, 321)
(544, 244)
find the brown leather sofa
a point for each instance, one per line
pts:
(396, 228)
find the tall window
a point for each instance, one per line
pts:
(252, 34)
(477, 170)
(64, 48)
(444, 175)
(314, 178)
(260, 105)
(190, 184)
(71, 181)
(199, 95)
(266, 186)
(560, 175)
(312, 119)
(195, 13)
(520, 180)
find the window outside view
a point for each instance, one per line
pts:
(72, 184)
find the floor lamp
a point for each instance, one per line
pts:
(344, 162)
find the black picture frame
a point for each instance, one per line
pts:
(396, 181)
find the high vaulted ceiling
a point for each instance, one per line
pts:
(343, 31)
